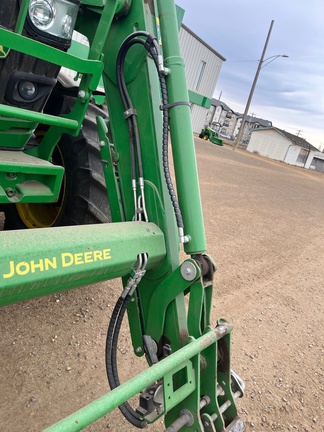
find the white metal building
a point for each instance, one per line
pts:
(280, 145)
(317, 163)
(203, 65)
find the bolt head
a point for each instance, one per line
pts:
(188, 271)
(138, 350)
(10, 192)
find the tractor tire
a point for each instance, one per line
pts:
(83, 198)
(205, 137)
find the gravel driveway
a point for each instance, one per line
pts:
(265, 230)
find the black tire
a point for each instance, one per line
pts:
(83, 198)
(205, 137)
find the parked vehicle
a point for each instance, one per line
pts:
(210, 134)
(226, 135)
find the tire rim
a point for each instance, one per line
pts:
(44, 215)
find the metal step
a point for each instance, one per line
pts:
(27, 179)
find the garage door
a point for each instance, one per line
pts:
(317, 164)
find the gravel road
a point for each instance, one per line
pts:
(265, 230)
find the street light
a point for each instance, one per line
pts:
(262, 63)
(272, 59)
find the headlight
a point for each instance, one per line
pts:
(54, 17)
(27, 90)
(42, 13)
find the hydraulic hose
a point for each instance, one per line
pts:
(111, 359)
(152, 46)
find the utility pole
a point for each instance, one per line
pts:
(247, 107)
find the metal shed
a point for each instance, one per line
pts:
(203, 65)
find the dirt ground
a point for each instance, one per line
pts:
(265, 229)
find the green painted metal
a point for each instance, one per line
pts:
(22, 17)
(199, 99)
(15, 133)
(90, 69)
(143, 87)
(180, 15)
(181, 132)
(78, 255)
(163, 295)
(174, 392)
(24, 178)
(87, 254)
(195, 309)
(52, 55)
(217, 141)
(23, 114)
(96, 28)
(108, 156)
(98, 408)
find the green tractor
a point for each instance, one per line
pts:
(210, 134)
(87, 196)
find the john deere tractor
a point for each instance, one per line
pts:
(210, 134)
(87, 195)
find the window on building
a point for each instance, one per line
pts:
(302, 157)
(200, 75)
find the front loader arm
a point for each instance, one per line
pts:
(190, 381)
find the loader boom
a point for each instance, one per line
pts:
(134, 46)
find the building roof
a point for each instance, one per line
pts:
(203, 42)
(297, 140)
(251, 119)
(217, 102)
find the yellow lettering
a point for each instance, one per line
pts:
(22, 268)
(106, 254)
(67, 259)
(34, 266)
(88, 257)
(11, 270)
(78, 258)
(50, 263)
(97, 255)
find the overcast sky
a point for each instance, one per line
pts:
(289, 91)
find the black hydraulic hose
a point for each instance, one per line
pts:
(165, 149)
(115, 340)
(111, 359)
(134, 134)
(123, 94)
(153, 49)
(125, 408)
(110, 334)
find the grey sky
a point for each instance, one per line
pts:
(290, 91)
